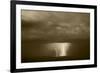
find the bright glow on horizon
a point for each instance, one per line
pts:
(60, 49)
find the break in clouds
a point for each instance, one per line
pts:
(54, 25)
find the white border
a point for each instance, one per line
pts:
(20, 65)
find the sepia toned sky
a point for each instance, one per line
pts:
(48, 25)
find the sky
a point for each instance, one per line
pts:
(51, 25)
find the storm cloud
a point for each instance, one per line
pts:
(50, 25)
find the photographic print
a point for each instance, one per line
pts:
(52, 36)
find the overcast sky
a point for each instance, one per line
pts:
(55, 25)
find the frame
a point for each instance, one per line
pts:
(63, 25)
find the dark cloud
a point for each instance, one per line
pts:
(46, 25)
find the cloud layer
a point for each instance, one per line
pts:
(46, 25)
